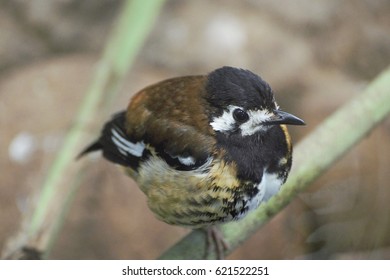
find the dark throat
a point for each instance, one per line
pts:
(252, 154)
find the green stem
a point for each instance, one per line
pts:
(134, 24)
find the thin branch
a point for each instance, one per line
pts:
(312, 157)
(39, 230)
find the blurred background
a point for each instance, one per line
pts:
(316, 55)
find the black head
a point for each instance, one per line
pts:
(243, 102)
(233, 86)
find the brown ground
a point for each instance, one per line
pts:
(315, 54)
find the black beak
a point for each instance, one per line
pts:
(282, 117)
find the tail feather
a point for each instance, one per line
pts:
(115, 144)
(95, 146)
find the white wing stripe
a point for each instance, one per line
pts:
(136, 149)
(186, 160)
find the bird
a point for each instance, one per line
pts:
(204, 149)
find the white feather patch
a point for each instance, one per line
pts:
(186, 160)
(254, 124)
(226, 122)
(156, 169)
(269, 186)
(271, 183)
(123, 145)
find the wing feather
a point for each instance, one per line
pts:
(168, 119)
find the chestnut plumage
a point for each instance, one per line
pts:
(204, 149)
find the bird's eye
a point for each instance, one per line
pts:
(240, 115)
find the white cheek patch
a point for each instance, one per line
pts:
(256, 118)
(225, 122)
(124, 146)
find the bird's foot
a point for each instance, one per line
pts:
(215, 241)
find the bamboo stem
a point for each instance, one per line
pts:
(38, 231)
